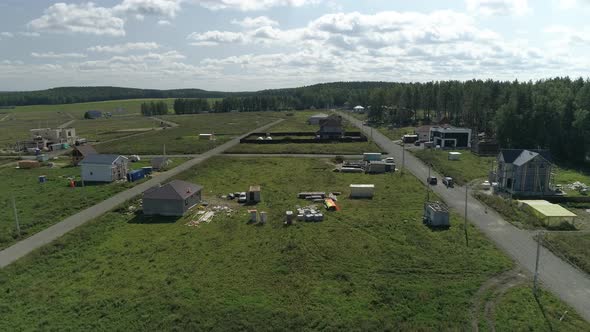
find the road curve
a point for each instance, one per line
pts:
(567, 282)
(24, 247)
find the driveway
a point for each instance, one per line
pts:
(24, 247)
(570, 284)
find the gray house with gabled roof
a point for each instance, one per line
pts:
(172, 199)
(104, 167)
(524, 172)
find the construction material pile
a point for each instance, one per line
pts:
(206, 215)
(578, 186)
(309, 213)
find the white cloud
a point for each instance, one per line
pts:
(255, 22)
(29, 34)
(6, 34)
(159, 8)
(82, 18)
(124, 48)
(253, 5)
(212, 38)
(164, 22)
(498, 7)
(53, 55)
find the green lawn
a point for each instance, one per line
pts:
(517, 310)
(370, 266)
(111, 128)
(42, 205)
(574, 246)
(468, 168)
(185, 138)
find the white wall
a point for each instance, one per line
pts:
(97, 173)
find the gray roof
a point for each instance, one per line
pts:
(319, 115)
(175, 190)
(101, 159)
(511, 156)
(86, 150)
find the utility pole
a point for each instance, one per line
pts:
(403, 155)
(16, 216)
(164, 150)
(536, 277)
(428, 185)
(465, 221)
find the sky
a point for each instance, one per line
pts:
(247, 45)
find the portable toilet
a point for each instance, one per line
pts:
(253, 215)
(147, 170)
(253, 194)
(42, 178)
(263, 216)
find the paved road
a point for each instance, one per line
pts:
(570, 284)
(295, 155)
(24, 247)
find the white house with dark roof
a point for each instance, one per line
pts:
(172, 199)
(104, 167)
(524, 172)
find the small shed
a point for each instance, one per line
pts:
(371, 156)
(93, 114)
(172, 199)
(436, 214)
(454, 155)
(160, 163)
(377, 167)
(549, 213)
(362, 190)
(28, 164)
(254, 194)
(207, 137)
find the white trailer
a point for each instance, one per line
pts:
(362, 190)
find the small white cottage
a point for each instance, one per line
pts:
(104, 168)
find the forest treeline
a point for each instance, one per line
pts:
(551, 113)
(154, 108)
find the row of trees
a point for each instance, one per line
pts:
(191, 106)
(154, 108)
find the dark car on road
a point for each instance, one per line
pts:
(432, 180)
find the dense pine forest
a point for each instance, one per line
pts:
(552, 113)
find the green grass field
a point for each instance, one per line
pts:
(107, 129)
(370, 266)
(565, 176)
(518, 310)
(185, 138)
(42, 205)
(574, 246)
(468, 168)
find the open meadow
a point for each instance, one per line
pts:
(575, 247)
(371, 266)
(40, 205)
(184, 139)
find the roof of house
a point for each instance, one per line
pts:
(359, 107)
(332, 121)
(548, 209)
(101, 159)
(254, 188)
(175, 190)
(319, 115)
(86, 150)
(517, 157)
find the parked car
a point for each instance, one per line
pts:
(417, 143)
(448, 181)
(389, 160)
(242, 198)
(432, 180)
